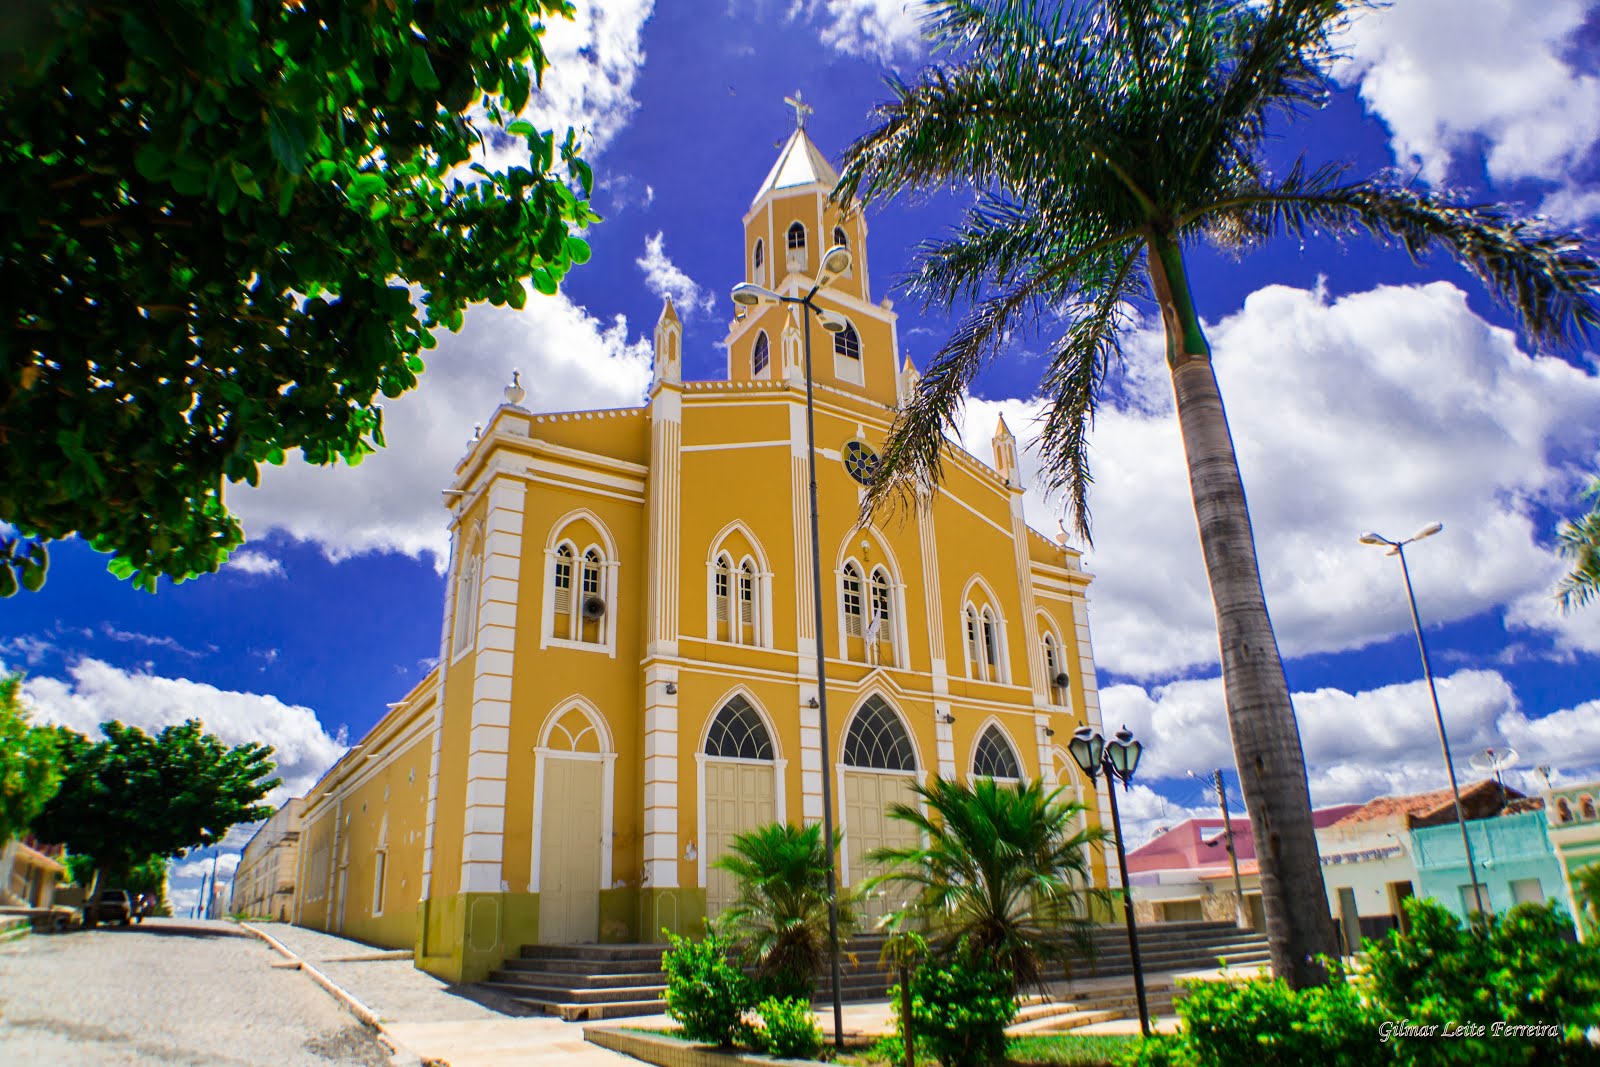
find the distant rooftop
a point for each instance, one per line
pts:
(1479, 800)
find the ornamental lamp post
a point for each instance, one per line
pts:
(1398, 548)
(1119, 759)
(835, 261)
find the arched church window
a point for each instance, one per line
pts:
(991, 646)
(761, 354)
(466, 604)
(993, 756)
(796, 237)
(880, 628)
(738, 733)
(974, 644)
(878, 739)
(839, 237)
(747, 603)
(722, 582)
(847, 343)
(591, 573)
(563, 580)
(1053, 671)
(758, 260)
(851, 593)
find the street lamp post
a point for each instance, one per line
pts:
(835, 261)
(1398, 548)
(1118, 760)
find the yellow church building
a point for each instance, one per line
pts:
(627, 674)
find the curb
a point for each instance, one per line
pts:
(399, 1054)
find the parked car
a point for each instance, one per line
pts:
(110, 906)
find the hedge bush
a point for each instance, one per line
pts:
(960, 1008)
(788, 1029)
(707, 992)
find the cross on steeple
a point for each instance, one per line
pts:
(801, 109)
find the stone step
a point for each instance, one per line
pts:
(592, 1012)
(557, 994)
(598, 953)
(530, 972)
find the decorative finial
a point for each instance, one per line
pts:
(477, 433)
(515, 393)
(1061, 534)
(801, 109)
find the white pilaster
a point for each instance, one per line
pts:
(488, 755)
(661, 778)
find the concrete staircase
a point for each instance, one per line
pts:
(592, 982)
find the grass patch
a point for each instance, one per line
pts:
(1043, 1050)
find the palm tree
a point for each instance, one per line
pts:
(1105, 140)
(780, 917)
(1580, 542)
(1001, 868)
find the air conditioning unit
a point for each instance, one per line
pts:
(593, 607)
(1062, 680)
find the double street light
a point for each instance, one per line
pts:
(1118, 760)
(1398, 548)
(835, 261)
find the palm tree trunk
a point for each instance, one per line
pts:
(1266, 738)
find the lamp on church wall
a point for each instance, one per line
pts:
(835, 261)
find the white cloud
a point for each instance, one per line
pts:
(167, 642)
(97, 692)
(666, 279)
(226, 864)
(569, 360)
(877, 29)
(1361, 745)
(256, 563)
(1380, 410)
(30, 649)
(1451, 77)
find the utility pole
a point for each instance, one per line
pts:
(1240, 915)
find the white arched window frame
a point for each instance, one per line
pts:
(465, 624)
(847, 355)
(840, 237)
(850, 604)
(760, 355)
(758, 263)
(995, 755)
(572, 577)
(993, 647)
(973, 644)
(1055, 666)
(882, 620)
(795, 246)
(730, 616)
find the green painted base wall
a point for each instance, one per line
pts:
(471, 934)
(678, 911)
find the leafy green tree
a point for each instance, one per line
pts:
(29, 773)
(780, 917)
(1579, 541)
(1001, 869)
(1106, 140)
(1586, 890)
(226, 228)
(134, 796)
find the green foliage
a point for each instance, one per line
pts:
(29, 770)
(707, 993)
(1525, 969)
(1586, 887)
(1521, 968)
(788, 1029)
(227, 228)
(1267, 1024)
(1579, 541)
(1069, 1050)
(134, 796)
(960, 1007)
(780, 918)
(1001, 868)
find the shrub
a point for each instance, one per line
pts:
(1266, 1024)
(707, 993)
(1441, 978)
(788, 1029)
(960, 1008)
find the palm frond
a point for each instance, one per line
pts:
(1549, 279)
(1579, 541)
(1079, 368)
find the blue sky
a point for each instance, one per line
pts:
(1364, 393)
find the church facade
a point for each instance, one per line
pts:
(628, 658)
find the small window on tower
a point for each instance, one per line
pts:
(797, 235)
(758, 262)
(839, 238)
(760, 355)
(847, 343)
(796, 239)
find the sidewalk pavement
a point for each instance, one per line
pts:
(430, 1021)
(436, 1023)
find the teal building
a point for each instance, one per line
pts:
(1515, 859)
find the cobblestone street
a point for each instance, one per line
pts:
(168, 992)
